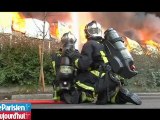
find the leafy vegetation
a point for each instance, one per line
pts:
(148, 77)
(20, 63)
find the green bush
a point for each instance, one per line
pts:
(20, 65)
(148, 77)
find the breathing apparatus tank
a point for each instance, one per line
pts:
(66, 72)
(120, 59)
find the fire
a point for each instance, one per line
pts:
(133, 46)
(82, 35)
(54, 30)
(149, 45)
(130, 44)
(127, 44)
(152, 43)
(147, 36)
(18, 22)
(144, 34)
(155, 47)
(14, 19)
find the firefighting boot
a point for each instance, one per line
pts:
(102, 98)
(70, 96)
(75, 96)
(126, 96)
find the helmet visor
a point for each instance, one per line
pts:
(94, 31)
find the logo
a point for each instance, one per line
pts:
(15, 111)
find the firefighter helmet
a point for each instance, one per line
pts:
(93, 30)
(68, 38)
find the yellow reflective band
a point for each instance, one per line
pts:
(85, 86)
(54, 67)
(76, 62)
(103, 74)
(113, 99)
(86, 98)
(96, 73)
(103, 57)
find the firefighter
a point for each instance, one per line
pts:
(92, 81)
(59, 60)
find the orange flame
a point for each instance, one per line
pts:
(19, 23)
(14, 19)
(54, 30)
(152, 43)
(82, 35)
(128, 44)
(147, 39)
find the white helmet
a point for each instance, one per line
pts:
(68, 38)
(93, 30)
(68, 41)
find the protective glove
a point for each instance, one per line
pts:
(72, 54)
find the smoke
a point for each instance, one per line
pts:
(136, 25)
(50, 17)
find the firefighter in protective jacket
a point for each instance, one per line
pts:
(92, 80)
(64, 71)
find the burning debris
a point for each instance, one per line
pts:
(149, 49)
(133, 46)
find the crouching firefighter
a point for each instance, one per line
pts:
(63, 85)
(122, 64)
(96, 79)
